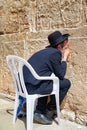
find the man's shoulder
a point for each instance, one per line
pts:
(50, 49)
(46, 52)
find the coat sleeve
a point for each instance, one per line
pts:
(59, 68)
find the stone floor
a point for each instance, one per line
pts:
(6, 116)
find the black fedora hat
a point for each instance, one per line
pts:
(56, 38)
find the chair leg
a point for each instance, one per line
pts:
(30, 112)
(58, 107)
(15, 109)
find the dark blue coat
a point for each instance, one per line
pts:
(45, 62)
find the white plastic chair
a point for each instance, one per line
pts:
(16, 64)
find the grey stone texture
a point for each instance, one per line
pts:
(24, 27)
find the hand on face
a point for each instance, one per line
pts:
(65, 50)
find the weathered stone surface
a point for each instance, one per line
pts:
(68, 115)
(15, 48)
(12, 37)
(24, 27)
(54, 14)
(77, 72)
(75, 117)
(81, 119)
(13, 18)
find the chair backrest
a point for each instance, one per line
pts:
(16, 64)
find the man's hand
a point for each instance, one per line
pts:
(65, 51)
(65, 54)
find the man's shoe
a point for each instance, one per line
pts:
(51, 113)
(42, 118)
(21, 114)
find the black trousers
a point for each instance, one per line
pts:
(42, 102)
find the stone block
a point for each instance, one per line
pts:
(13, 37)
(11, 48)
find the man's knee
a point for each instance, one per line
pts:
(68, 83)
(65, 84)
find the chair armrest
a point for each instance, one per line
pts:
(52, 77)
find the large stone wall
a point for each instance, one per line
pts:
(24, 27)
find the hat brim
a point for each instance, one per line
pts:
(59, 41)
